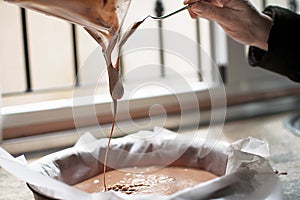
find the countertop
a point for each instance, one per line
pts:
(284, 148)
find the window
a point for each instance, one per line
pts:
(50, 69)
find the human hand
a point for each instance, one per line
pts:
(238, 18)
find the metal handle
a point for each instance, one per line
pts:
(172, 13)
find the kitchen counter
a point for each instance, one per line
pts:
(284, 148)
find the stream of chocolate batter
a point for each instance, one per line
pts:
(100, 20)
(115, 82)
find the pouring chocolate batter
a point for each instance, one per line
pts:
(102, 19)
(115, 82)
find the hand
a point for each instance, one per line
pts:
(239, 19)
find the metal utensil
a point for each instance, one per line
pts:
(170, 14)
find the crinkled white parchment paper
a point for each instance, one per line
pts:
(244, 170)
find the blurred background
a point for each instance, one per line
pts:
(41, 59)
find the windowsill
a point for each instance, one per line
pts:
(66, 114)
(50, 117)
(62, 139)
(40, 101)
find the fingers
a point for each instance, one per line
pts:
(206, 10)
(190, 1)
(218, 3)
(192, 14)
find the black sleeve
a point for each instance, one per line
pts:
(283, 55)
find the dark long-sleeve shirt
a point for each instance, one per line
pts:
(283, 55)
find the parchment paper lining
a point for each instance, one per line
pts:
(244, 172)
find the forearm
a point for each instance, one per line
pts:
(283, 53)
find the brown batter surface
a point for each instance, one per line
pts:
(147, 180)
